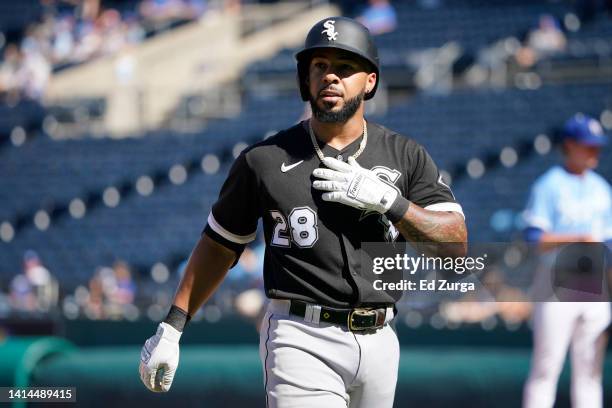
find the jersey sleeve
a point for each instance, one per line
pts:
(539, 211)
(426, 188)
(233, 218)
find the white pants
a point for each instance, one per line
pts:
(555, 326)
(310, 365)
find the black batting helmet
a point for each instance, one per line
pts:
(342, 33)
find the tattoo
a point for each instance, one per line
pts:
(435, 227)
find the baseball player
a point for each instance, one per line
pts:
(570, 203)
(321, 187)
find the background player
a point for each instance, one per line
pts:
(325, 341)
(570, 203)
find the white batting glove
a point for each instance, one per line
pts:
(351, 184)
(159, 358)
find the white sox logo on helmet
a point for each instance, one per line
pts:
(330, 30)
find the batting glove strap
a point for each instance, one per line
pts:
(397, 210)
(169, 333)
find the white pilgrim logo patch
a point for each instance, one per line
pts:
(330, 30)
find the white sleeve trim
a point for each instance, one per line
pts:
(237, 239)
(454, 207)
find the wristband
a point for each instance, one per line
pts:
(177, 318)
(398, 209)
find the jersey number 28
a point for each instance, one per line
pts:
(300, 227)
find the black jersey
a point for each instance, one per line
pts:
(313, 246)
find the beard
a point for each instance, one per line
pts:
(341, 116)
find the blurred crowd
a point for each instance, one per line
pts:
(73, 32)
(110, 293)
(115, 292)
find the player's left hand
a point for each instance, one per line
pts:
(351, 184)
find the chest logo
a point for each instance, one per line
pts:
(330, 30)
(285, 169)
(390, 176)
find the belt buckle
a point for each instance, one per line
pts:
(361, 314)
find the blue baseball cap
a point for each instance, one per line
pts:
(584, 130)
(30, 255)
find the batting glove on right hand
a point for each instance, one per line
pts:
(159, 358)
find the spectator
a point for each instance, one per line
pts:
(22, 294)
(161, 14)
(89, 41)
(119, 290)
(10, 81)
(94, 309)
(547, 39)
(63, 42)
(542, 42)
(36, 71)
(112, 31)
(35, 289)
(379, 17)
(134, 31)
(125, 288)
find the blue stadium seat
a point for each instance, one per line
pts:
(475, 122)
(472, 24)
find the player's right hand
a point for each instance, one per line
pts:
(351, 184)
(159, 358)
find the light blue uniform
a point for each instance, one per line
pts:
(565, 203)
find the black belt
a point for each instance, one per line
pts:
(358, 319)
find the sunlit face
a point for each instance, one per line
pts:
(581, 156)
(337, 82)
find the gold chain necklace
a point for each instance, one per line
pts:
(362, 145)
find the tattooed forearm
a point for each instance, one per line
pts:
(423, 226)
